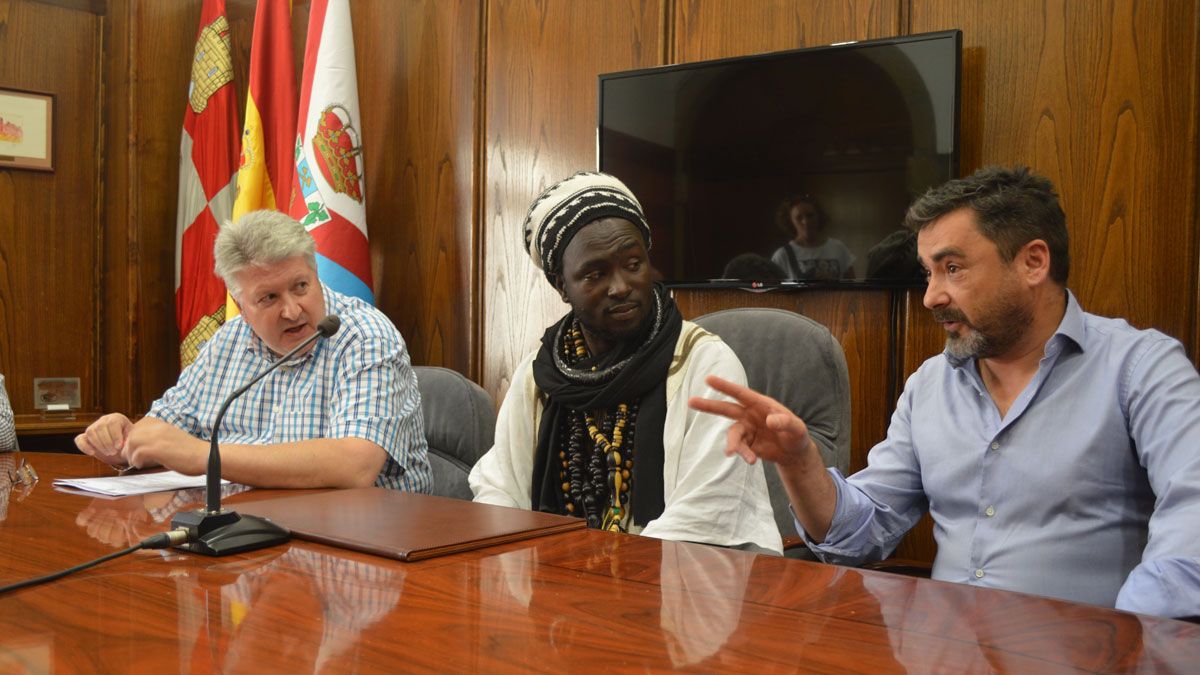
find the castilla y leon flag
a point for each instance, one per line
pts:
(208, 155)
(327, 191)
(265, 174)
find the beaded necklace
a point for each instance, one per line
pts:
(598, 460)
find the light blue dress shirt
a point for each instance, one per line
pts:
(357, 383)
(1087, 490)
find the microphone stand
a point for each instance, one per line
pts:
(215, 531)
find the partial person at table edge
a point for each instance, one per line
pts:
(8, 430)
(345, 412)
(1057, 451)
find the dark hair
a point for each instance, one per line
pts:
(1012, 206)
(783, 214)
(753, 267)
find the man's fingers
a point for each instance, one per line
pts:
(96, 437)
(87, 447)
(738, 440)
(742, 394)
(723, 408)
(102, 437)
(786, 422)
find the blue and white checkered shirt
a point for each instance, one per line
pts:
(358, 383)
(8, 433)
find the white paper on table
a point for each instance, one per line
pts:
(135, 484)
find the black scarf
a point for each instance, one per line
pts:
(635, 371)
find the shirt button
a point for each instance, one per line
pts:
(995, 445)
(990, 511)
(979, 574)
(278, 409)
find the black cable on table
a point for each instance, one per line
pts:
(160, 540)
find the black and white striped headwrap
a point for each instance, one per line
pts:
(565, 207)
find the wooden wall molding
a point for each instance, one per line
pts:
(542, 62)
(98, 7)
(48, 220)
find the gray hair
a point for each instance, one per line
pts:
(257, 239)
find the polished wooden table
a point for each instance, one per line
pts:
(579, 601)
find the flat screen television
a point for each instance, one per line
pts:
(788, 168)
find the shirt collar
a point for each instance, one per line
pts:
(1071, 330)
(256, 346)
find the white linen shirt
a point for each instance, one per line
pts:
(709, 498)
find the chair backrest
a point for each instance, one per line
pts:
(796, 361)
(460, 425)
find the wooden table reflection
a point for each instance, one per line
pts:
(583, 600)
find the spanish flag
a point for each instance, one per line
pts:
(208, 159)
(265, 173)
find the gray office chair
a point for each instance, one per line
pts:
(796, 361)
(460, 423)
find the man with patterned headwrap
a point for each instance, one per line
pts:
(595, 423)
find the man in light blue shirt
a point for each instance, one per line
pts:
(345, 412)
(1057, 451)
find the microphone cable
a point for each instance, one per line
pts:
(160, 540)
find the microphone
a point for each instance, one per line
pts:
(216, 532)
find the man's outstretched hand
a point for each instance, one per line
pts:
(763, 428)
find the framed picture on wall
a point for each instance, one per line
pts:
(26, 130)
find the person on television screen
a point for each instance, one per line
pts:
(345, 412)
(811, 254)
(753, 267)
(1057, 451)
(595, 423)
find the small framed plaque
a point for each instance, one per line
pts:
(56, 394)
(26, 130)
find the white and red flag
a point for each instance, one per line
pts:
(207, 182)
(328, 191)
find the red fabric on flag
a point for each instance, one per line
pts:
(343, 243)
(209, 150)
(273, 87)
(206, 291)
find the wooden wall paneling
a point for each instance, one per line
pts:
(858, 319)
(48, 220)
(540, 97)
(417, 96)
(711, 29)
(921, 337)
(118, 280)
(93, 6)
(1101, 98)
(165, 40)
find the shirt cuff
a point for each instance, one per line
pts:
(1167, 587)
(847, 530)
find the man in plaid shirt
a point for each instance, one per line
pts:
(345, 412)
